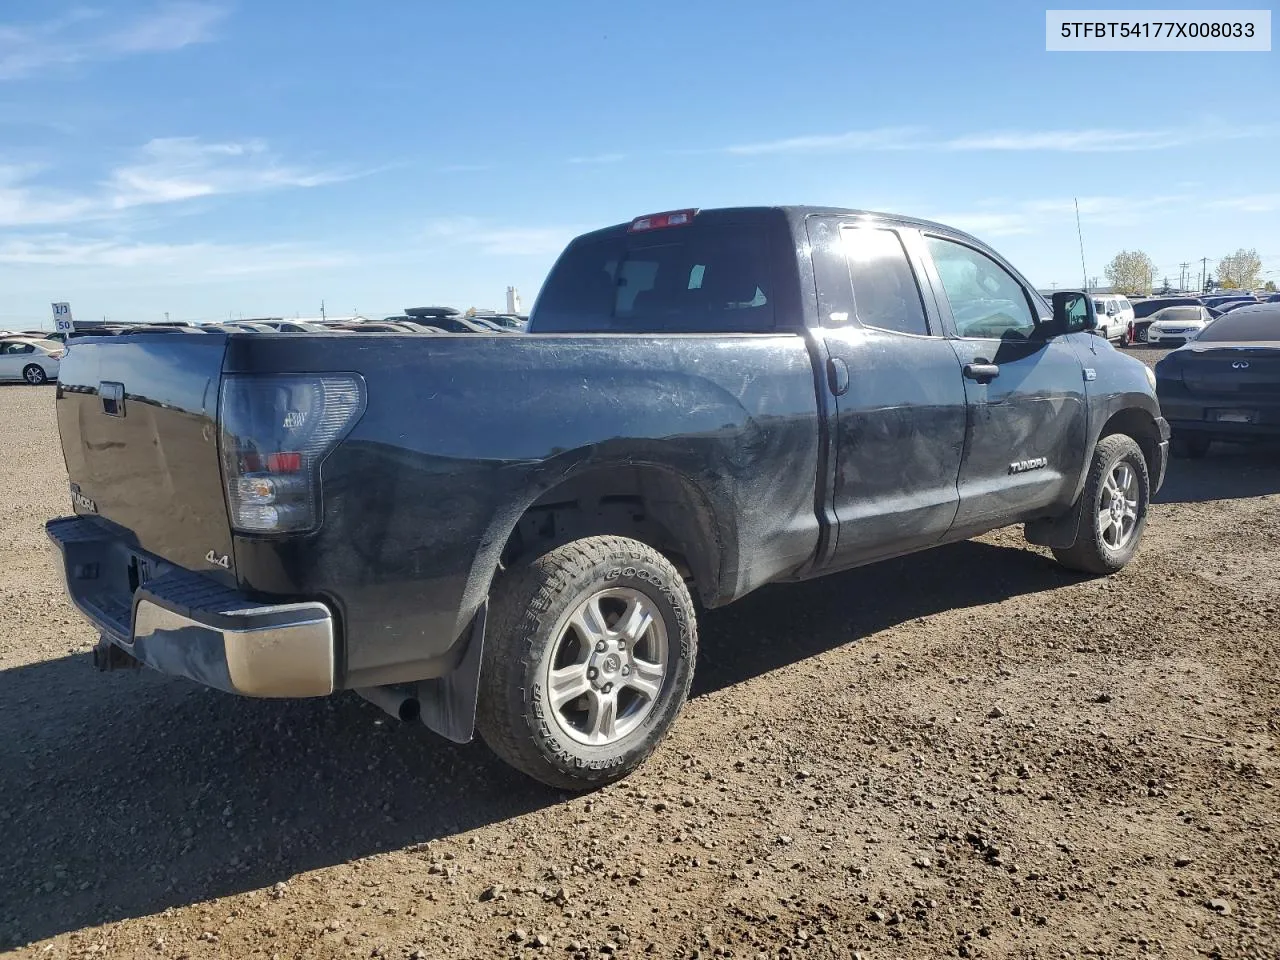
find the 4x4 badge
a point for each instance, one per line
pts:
(218, 561)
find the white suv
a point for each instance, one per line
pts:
(1115, 312)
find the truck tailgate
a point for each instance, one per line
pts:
(138, 419)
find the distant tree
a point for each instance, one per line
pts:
(1240, 270)
(1269, 286)
(1130, 271)
(470, 312)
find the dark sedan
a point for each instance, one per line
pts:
(1224, 384)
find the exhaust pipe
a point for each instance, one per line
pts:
(107, 656)
(393, 700)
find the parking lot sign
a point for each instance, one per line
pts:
(62, 321)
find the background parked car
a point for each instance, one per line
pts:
(35, 361)
(1144, 309)
(1115, 313)
(1174, 326)
(1225, 384)
(511, 321)
(1227, 307)
(1224, 298)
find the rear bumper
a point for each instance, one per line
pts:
(187, 625)
(1197, 414)
(1228, 431)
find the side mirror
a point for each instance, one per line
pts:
(1072, 313)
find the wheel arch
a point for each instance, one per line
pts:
(648, 502)
(1138, 423)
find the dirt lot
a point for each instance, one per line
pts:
(968, 752)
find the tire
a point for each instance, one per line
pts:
(554, 613)
(1103, 547)
(34, 374)
(1190, 446)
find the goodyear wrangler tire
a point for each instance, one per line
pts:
(588, 659)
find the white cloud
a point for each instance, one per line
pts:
(500, 240)
(599, 158)
(988, 224)
(167, 170)
(185, 259)
(996, 218)
(1089, 140)
(1254, 203)
(83, 36)
(886, 138)
(22, 205)
(182, 168)
(1073, 141)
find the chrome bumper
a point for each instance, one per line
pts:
(187, 625)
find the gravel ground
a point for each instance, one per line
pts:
(968, 752)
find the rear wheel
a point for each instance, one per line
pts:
(1113, 517)
(34, 374)
(588, 659)
(1190, 446)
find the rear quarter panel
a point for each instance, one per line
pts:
(462, 434)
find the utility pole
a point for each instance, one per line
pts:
(166, 316)
(322, 317)
(1182, 281)
(1204, 272)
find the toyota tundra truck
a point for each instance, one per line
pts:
(507, 533)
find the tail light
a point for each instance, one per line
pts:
(275, 432)
(660, 221)
(56, 354)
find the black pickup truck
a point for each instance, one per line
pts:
(505, 532)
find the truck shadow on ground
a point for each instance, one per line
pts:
(122, 794)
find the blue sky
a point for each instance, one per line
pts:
(210, 158)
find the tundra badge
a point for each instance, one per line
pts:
(218, 561)
(1022, 466)
(81, 501)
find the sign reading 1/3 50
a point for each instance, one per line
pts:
(62, 321)
(1158, 30)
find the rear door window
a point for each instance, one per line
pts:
(681, 280)
(885, 292)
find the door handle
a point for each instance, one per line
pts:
(837, 376)
(981, 371)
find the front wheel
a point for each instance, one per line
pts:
(34, 374)
(1117, 493)
(588, 659)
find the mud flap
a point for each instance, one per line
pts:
(449, 702)
(1056, 532)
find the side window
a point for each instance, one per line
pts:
(16, 348)
(986, 301)
(885, 292)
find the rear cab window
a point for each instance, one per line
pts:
(1243, 327)
(713, 277)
